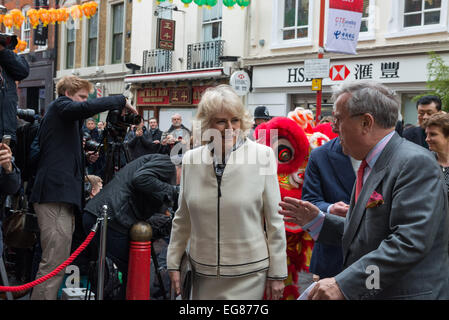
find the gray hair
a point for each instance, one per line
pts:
(370, 97)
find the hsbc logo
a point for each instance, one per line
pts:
(339, 72)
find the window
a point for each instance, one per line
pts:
(296, 19)
(26, 29)
(92, 34)
(70, 44)
(365, 17)
(212, 19)
(292, 23)
(117, 32)
(421, 12)
(416, 17)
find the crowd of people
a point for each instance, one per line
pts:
(374, 198)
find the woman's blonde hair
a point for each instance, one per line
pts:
(72, 84)
(222, 98)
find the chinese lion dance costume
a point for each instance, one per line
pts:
(292, 138)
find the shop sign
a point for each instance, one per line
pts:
(240, 82)
(153, 96)
(165, 34)
(197, 93)
(180, 95)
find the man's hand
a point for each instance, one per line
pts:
(274, 289)
(326, 289)
(139, 132)
(175, 278)
(1, 47)
(6, 158)
(128, 107)
(339, 209)
(298, 211)
(92, 156)
(156, 141)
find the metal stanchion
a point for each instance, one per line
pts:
(102, 254)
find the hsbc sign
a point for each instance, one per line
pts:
(339, 72)
(392, 69)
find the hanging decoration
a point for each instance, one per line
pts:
(89, 8)
(229, 3)
(243, 3)
(53, 15)
(17, 17)
(200, 3)
(211, 3)
(8, 20)
(63, 15)
(21, 46)
(44, 16)
(186, 2)
(76, 12)
(33, 17)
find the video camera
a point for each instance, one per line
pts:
(117, 123)
(26, 114)
(91, 145)
(8, 40)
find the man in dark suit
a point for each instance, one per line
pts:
(328, 183)
(395, 235)
(58, 193)
(426, 106)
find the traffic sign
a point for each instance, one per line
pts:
(316, 68)
(316, 84)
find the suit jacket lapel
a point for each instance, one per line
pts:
(357, 210)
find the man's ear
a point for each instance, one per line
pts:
(367, 121)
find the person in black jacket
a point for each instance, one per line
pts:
(140, 191)
(57, 193)
(9, 181)
(139, 141)
(12, 68)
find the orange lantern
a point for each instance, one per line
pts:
(44, 16)
(76, 12)
(8, 21)
(53, 14)
(63, 15)
(17, 18)
(89, 8)
(33, 17)
(1, 18)
(21, 46)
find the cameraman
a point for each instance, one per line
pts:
(12, 68)
(57, 193)
(140, 191)
(9, 181)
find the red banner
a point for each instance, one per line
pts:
(348, 5)
(152, 96)
(166, 34)
(197, 93)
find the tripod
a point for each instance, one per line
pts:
(115, 150)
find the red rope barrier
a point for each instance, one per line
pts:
(54, 272)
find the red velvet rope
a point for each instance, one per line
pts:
(54, 272)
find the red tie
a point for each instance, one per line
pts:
(359, 184)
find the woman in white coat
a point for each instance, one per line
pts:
(228, 208)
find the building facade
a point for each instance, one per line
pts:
(198, 48)
(37, 90)
(393, 48)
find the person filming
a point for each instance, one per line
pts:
(57, 193)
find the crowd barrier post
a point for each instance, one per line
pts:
(102, 254)
(138, 282)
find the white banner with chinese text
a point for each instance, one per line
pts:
(343, 25)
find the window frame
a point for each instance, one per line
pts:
(211, 22)
(66, 42)
(112, 34)
(396, 25)
(88, 39)
(26, 23)
(277, 28)
(371, 21)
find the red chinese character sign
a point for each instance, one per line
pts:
(345, 17)
(166, 34)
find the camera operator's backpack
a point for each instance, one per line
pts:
(113, 283)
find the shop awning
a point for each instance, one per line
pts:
(175, 76)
